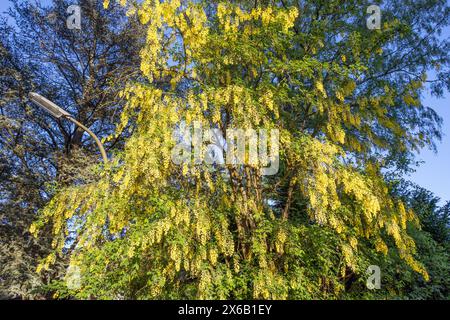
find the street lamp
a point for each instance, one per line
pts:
(58, 113)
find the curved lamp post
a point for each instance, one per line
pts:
(59, 113)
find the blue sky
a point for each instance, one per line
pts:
(434, 173)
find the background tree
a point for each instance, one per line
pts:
(398, 280)
(434, 219)
(82, 71)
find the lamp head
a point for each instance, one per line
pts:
(48, 106)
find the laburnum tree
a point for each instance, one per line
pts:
(347, 103)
